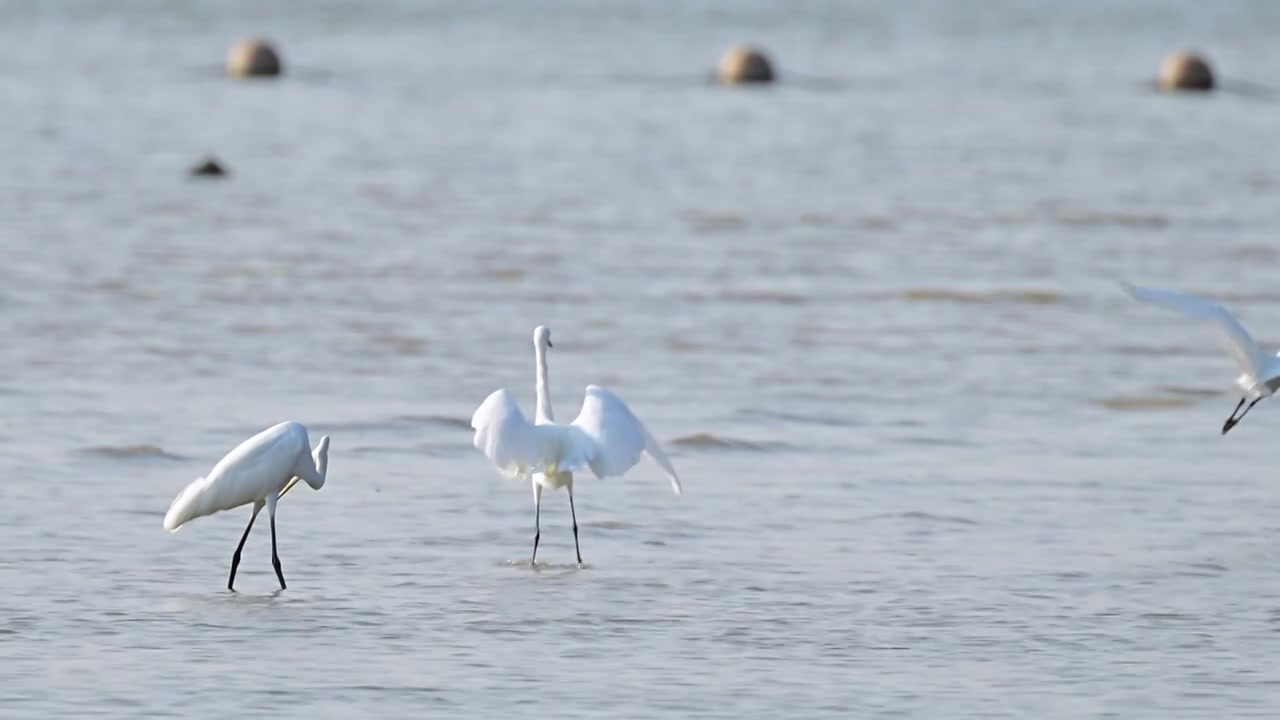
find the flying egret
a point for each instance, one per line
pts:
(606, 437)
(1261, 376)
(260, 471)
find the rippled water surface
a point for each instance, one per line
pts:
(936, 464)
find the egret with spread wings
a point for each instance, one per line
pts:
(606, 438)
(1261, 371)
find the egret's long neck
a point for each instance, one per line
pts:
(544, 394)
(320, 456)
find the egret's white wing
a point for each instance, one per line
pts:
(503, 435)
(253, 469)
(1235, 339)
(618, 435)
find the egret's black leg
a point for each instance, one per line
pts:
(537, 520)
(573, 514)
(1233, 420)
(1238, 406)
(235, 559)
(275, 558)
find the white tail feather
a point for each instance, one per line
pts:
(187, 506)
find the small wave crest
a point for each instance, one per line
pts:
(1021, 297)
(922, 516)
(442, 420)
(398, 422)
(772, 297)
(396, 344)
(935, 440)
(1206, 568)
(769, 416)
(711, 441)
(1097, 218)
(552, 568)
(1192, 392)
(1144, 402)
(610, 525)
(132, 451)
(681, 345)
(703, 221)
(506, 274)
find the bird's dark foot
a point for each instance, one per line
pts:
(1227, 426)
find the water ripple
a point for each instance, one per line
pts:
(712, 441)
(126, 452)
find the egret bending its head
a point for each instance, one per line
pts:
(1261, 376)
(606, 437)
(260, 471)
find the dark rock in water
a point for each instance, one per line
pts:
(744, 64)
(253, 57)
(209, 168)
(1185, 71)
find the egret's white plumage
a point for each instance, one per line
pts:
(258, 472)
(1260, 376)
(606, 437)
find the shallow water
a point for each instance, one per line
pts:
(936, 463)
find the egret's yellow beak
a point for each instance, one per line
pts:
(288, 487)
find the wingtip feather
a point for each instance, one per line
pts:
(503, 434)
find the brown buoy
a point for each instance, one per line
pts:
(253, 57)
(209, 168)
(744, 64)
(1185, 71)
